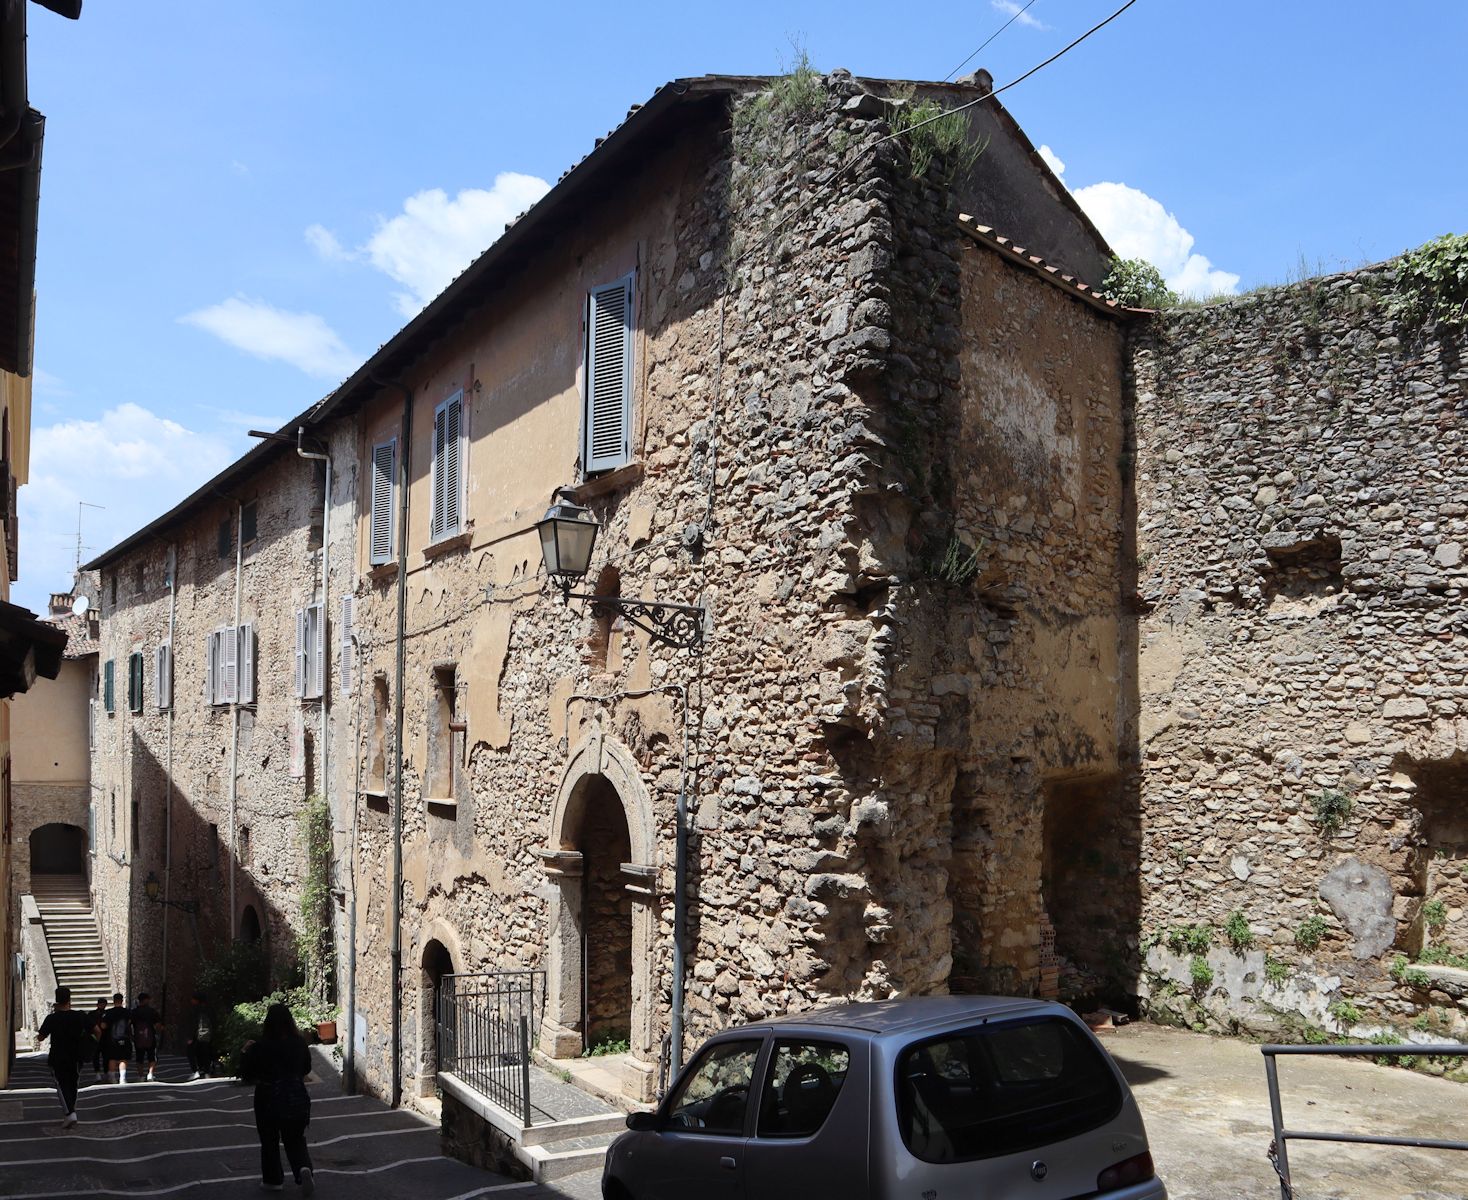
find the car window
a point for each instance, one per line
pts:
(801, 1087)
(1000, 1089)
(714, 1096)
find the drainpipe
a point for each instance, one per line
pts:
(349, 1064)
(234, 730)
(325, 586)
(168, 767)
(396, 924)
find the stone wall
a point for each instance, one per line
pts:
(1302, 509)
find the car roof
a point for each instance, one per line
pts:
(914, 1013)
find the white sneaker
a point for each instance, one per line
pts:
(150, 1077)
(308, 1181)
(194, 1076)
(69, 1121)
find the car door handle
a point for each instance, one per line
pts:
(728, 1163)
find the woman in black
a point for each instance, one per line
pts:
(277, 1065)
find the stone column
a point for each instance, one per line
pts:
(561, 1035)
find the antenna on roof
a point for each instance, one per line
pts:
(81, 504)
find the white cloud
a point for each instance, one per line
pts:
(130, 460)
(1137, 226)
(1052, 160)
(434, 238)
(239, 168)
(45, 383)
(327, 245)
(1011, 8)
(303, 340)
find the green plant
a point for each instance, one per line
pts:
(1432, 283)
(1314, 1035)
(238, 971)
(607, 1043)
(1237, 930)
(1190, 939)
(1275, 971)
(1136, 283)
(1310, 933)
(931, 131)
(959, 565)
(1345, 1013)
(1201, 973)
(1404, 972)
(242, 1022)
(314, 941)
(1435, 914)
(1441, 956)
(795, 98)
(1331, 810)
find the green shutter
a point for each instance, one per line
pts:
(135, 683)
(109, 701)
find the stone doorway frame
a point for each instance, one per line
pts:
(598, 755)
(426, 1067)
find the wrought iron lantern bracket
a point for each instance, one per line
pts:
(677, 625)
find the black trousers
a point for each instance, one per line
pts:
(65, 1073)
(201, 1056)
(272, 1134)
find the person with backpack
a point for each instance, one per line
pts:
(200, 1036)
(277, 1065)
(147, 1025)
(117, 1039)
(66, 1030)
(94, 1029)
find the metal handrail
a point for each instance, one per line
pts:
(1278, 1148)
(484, 1033)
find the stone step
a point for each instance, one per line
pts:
(560, 1159)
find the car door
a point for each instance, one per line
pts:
(810, 1138)
(698, 1150)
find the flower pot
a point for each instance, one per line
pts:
(326, 1031)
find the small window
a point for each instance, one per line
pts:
(112, 591)
(244, 840)
(138, 579)
(377, 745)
(135, 682)
(109, 686)
(606, 417)
(221, 682)
(801, 1087)
(226, 538)
(714, 1096)
(445, 520)
(249, 528)
(442, 728)
(137, 826)
(311, 652)
(383, 483)
(1002, 1089)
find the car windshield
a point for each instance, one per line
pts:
(1001, 1089)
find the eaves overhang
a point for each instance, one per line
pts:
(30, 648)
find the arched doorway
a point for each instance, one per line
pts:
(437, 962)
(599, 965)
(58, 850)
(250, 930)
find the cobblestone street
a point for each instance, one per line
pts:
(175, 1138)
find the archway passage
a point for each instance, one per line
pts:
(437, 962)
(58, 850)
(603, 839)
(250, 930)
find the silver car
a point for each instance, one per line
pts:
(932, 1098)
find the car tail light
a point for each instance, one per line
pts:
(1137, 1169)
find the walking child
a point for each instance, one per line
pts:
(65, 1029)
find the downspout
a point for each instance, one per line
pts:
(349, 1064)
(168, 767)
(400, 671)
(325, 606)
(234, 728)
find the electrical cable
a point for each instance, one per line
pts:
(1015, 17)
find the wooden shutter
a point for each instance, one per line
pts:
(384, 483)
(163, 675)
(301, 652)
(316, 662)
(247, 663)
(135, 682)
(109, 693)
(229, 665)
(448, 428)
(345, 648)
(607, 418)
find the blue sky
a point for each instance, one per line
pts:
(241, 202)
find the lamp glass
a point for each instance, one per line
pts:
(567, 536)
(150, 886)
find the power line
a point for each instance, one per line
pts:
(1015, 17)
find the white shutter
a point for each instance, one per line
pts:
(210, 688)
(607, 418)
(346, 649)
(247, 663)
(384, 481)
(163, 675)
(316, 627)
(229, 665)
(301, 652)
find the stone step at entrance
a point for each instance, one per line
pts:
(72, 937)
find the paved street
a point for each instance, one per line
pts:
(175, 1138)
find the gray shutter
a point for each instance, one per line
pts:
(229, 665)
(435, 517)
(247, 663)
(347, 651)
(453, 449)
(607, 420)
(301, 652)
(163, 675)
(210, 690)
(316, 625)
(384, 480)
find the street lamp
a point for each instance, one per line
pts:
(151, 888)
(567, 536)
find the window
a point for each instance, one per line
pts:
(346, 649)
(112, 591)
(247, 663)
(226, 538)
(244, 843)
(384, 484)
(606, 419)
(138, 579)
(1002, 1089)
(222, 661)
(135, 681)
(109, 680)
(137, 826)
(442, 726)
(448, 481)
(377, 747)
(163, 675)
(801, 1087)
(249, 523)
(311, 652)
(714, 1096)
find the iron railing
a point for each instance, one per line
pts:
(486, 1024)
(1279, 1148)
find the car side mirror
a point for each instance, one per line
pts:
(643, 1122)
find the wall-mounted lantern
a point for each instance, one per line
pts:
(567, 537)
(152, 888)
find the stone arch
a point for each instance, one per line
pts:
(251, 930)
(440, 956)
(58, 848)
(598, 769)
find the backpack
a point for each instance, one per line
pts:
(118, 1030)
(143, 1036)
(202, 1030)
(289, 1100)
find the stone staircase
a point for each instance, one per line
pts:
(72, 938)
